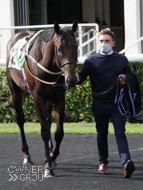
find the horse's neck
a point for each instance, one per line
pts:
(49, 59)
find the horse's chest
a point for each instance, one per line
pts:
(51, 93)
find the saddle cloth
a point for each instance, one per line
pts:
(20, 49)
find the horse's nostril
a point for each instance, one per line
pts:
(71, 82)
(67, 80)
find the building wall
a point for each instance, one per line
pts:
(7, 19)
(132, 16)
(141, 9)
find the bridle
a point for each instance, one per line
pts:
(48, 71)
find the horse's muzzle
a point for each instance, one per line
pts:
(71, 82)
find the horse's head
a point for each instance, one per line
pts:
(66, 52)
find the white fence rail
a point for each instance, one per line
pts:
(137, 41)
(87, 43)
(130, 57)
(86, 37)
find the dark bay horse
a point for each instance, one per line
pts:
(56, 52)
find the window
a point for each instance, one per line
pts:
(102, 12)
(20, 12)
(29, 12)
(36, 12)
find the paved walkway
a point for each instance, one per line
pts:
(77, 164)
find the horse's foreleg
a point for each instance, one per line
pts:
(46, 136)
(44, 109)
(53, 163)
(50, 145)
(59, 133)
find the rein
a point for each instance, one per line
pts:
(40, 66)
(45, 82)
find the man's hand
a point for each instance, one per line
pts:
(77, 77)
(123, 80)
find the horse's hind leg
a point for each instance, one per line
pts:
(17, 99)
(17, 104)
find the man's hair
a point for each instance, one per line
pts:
(108, 32)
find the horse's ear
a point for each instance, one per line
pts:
(56, 27)
(74, 26)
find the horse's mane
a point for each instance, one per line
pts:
(47, 35)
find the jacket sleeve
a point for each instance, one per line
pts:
(84, 72)
(127, 68)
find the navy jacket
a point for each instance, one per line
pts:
(128, 97)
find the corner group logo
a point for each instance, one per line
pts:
(26, 173)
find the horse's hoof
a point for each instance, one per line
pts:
(48, 173)
(27, 160)
(53, 164)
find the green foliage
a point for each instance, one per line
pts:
(78, 101)
(78, 104)
(6, 109)
(137, 67)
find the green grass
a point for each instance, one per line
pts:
(79, 128)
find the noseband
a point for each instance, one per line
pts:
(66, 63)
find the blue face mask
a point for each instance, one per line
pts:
(105, 48)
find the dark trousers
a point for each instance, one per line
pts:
(102, 111)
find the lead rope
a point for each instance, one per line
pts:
(102, 93)
(109, 87)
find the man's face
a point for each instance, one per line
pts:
(106, 39)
